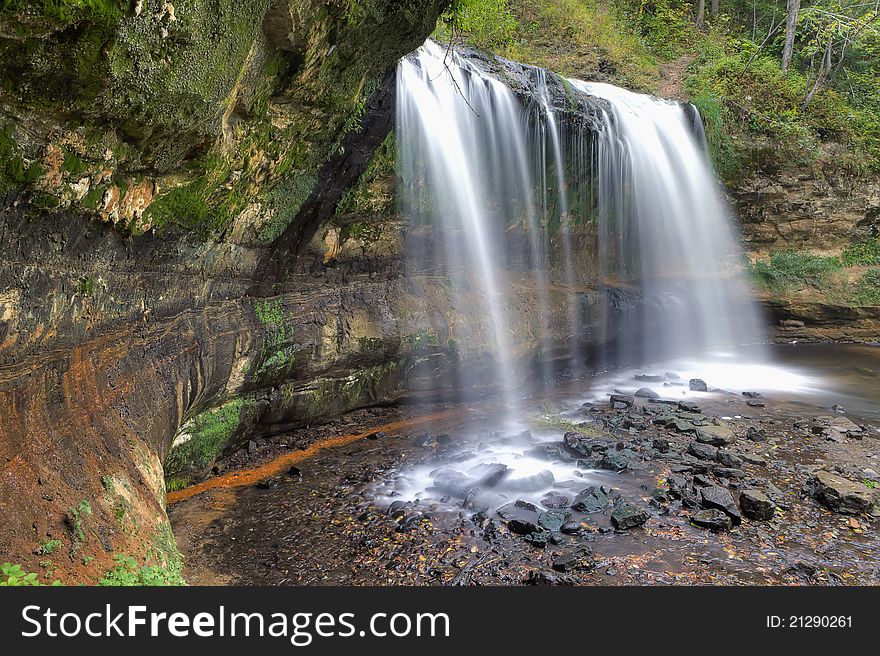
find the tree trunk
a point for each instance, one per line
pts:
(714, 8)
(701, 13)
(791, 19)
(824, 69)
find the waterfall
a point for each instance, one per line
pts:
(664, 227)
(526, 194)
(502, 174)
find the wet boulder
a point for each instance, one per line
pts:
(702, 451)
(729, 459)
(621, 401)
(614, 461)
(715, 520)
(555, 500)
(756, 505)
(646, 393)
(697, 385)
(590, 500)
(719, 498)
(552, 520)
(715, 435)
(627, 516)
(840, 494)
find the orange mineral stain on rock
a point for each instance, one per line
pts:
(246, 477)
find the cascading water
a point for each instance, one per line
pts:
(500, 181)
(664, 228)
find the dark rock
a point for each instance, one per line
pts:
(650, 378)
(489, 475)
(526, 505)
(756, 403)
(251, 447)
(754, 459)
(377, 435)
(839, 494)
(646, 393)
(548, 451)
(715, 520)
(269, 484)
(839, 409)
(702, 481)
(688, 406)
(539, 538)
(554, 500)
(715, 435)
(552, 520)
(622, 399)
(570, 528)
(730, 472)
(294, 472)
(549, 578)
(756, 434)
(614, 461)
(697, 385)
(752, 395)
(720, 498)
(661, 445)
(397, 508)
(627, 516)
(590, 500)
(702, 451)
(522, 526)
(678, 486)
(728, 459)
(444, 439)
(573, 560)
(756, 505)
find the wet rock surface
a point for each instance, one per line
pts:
(772, 505)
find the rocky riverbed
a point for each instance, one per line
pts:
(738, 488)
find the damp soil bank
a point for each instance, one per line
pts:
(751, 489)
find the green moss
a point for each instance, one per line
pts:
(209, 433)
(14, 171)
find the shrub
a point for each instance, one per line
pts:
(863, 253)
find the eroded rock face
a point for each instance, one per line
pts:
(805, 209)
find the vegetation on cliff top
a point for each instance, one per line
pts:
(730, 64)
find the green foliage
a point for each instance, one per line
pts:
(47, 547)
(13, 575)
(867, 289)
(488, 24)
(794, 268)
(665, 25)
(129, 573)
(863, 253)
(583, 39)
